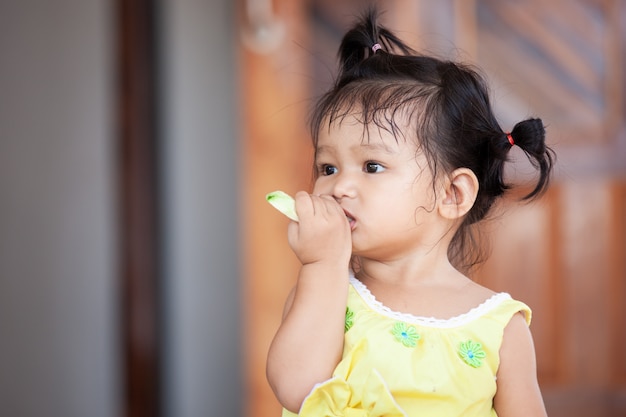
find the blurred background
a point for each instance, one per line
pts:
(141, 271)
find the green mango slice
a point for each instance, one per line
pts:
(284, 203)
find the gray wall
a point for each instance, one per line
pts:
(59, 344)
(58, 333)
(201, 188)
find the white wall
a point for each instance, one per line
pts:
(58, 330)
(203, 352)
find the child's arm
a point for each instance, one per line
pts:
(518, 391)
(309, 342)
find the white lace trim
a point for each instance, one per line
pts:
(456, 321)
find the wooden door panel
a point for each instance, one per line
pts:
(585, 291)
(522, 263)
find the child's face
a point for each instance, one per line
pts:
(384, 185)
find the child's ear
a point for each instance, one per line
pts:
(459, 194)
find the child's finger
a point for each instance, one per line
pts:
(331, 206)
(304, 204)
(322, 205)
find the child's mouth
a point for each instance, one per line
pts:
(351, 220)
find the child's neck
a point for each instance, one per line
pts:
(426, 289)
(428, 268)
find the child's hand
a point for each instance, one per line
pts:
(323, 232)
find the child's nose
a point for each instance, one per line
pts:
(344, 186)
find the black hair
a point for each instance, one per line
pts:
(447, 102)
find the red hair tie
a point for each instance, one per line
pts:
(510, 138)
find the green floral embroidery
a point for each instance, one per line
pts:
(349, 319)
(407, 335)
(472, 353)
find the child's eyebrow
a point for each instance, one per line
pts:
(377, 146)
(323, 149)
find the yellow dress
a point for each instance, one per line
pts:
(397, 364)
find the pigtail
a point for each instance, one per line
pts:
(530, 136)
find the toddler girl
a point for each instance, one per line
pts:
(382, 320)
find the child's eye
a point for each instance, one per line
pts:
(373, 167)
(326, 169)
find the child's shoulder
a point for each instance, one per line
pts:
(476, 293)
(508, 306)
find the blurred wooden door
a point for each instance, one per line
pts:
(564, 255)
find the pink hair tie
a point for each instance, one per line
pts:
(376, 47)
(510, 138)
